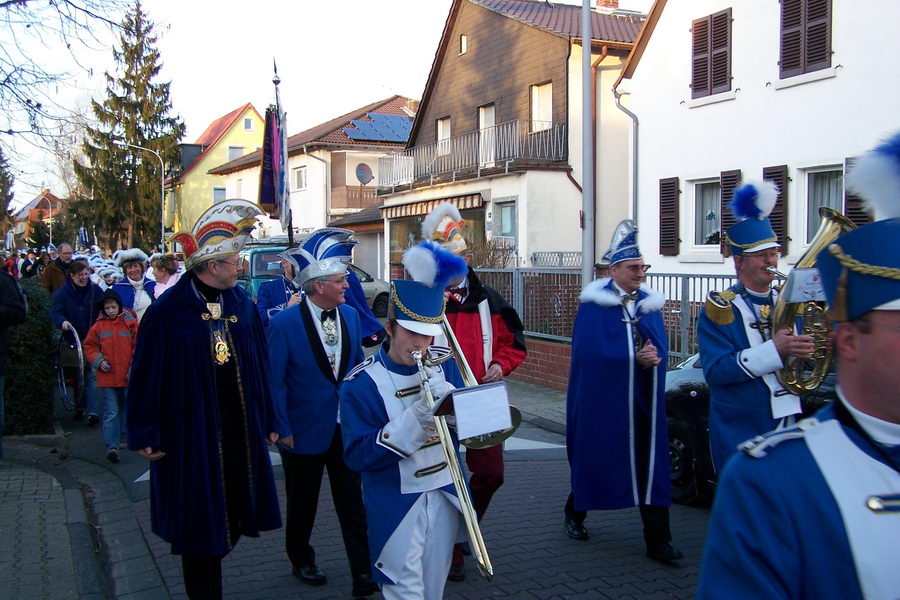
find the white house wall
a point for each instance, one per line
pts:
(549, 221)
(833, 114)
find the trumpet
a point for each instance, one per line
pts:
(459, 481)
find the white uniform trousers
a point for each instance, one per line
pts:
(429, 552)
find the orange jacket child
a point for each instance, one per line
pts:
(110, 343)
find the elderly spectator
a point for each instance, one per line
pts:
(136, 289)
(53, 276)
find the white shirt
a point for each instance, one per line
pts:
(332, 352)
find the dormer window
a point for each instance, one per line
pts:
(463, 44)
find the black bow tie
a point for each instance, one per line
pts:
(329, 314)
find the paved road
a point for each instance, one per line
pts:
(523, 530)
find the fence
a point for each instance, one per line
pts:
(547, 302)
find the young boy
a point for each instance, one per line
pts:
(110, 346)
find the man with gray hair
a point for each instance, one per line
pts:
(54, 275)
(313, 344)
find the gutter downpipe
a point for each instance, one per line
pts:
(587, 146)
(634, 153)
(327, 182)
(604, 52)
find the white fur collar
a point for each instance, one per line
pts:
(598, 292)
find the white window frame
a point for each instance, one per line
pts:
(694, 186)
(541, 106)
(803, 185)
(221, 189)
(234, 149)
(238, 188)
(498, 214)
(692, 252)
(443, 133)
(463, 43)
(248, 124)
(299, 178)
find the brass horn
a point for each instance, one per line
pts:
(459, 480)
(490, 439)
(804, 376)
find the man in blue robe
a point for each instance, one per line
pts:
(199, 406)
(616, 433)
(312, 346)
(812, 511)
(739, 352)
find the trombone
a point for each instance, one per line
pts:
(459, 481)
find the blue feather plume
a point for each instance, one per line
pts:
(754, 200)
(450, 267)
(430, 264)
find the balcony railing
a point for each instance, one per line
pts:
(352, 196)
(493, 147)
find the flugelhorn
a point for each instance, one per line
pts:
(459, 481)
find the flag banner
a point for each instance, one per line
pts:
(280, 166)
(267, 199)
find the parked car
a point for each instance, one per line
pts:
(260, 263)
(687, 412)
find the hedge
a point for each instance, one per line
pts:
(30, 377)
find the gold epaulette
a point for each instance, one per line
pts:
(718, 307)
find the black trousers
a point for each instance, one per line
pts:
(202, 577)
(302, 481)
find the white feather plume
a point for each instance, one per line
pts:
(875, 177)
(421, 264)
(434, 218)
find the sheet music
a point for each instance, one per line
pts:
(481, 409)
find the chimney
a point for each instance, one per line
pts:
(606, 6)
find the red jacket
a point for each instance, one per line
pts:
(112, 340)
(508, 339)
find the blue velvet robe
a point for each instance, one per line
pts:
(776, 531)
(611, 466)
(172, 406)
(356, 297)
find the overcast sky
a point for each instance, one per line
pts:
(333, 56)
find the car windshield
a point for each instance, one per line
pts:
(266, 265)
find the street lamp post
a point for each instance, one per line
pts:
(162, 190)
(50, 204)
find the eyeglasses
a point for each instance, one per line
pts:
(236, 264)
(339, 281)
(636, 268)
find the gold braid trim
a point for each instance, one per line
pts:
(851, 263)
(416, 317)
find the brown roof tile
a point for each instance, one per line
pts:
(565, 19)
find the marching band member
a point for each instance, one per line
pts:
(739, 352)
(619, 332)
(812, 511)
(313, 344)
(390, 437)
(276, 295)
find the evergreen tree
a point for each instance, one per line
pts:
(6, 193)
(124, 181)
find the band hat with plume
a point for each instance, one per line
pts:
(623, 245)
(221, 230)
(751, 205)
(327, 251)
(418, 304)
(861, 269)
(130, 255)
(444, 225)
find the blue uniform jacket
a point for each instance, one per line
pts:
(126, 291)
(272, 297)
(601, 440)
(304, 388)
(172, 406)
(740, 406)
(363, 415)
(776, 531)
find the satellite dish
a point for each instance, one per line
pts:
(364, 173)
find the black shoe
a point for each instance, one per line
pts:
(92, 420)
(664, 553)
(457, 573)
(310, 574)
(576, 530)
(363, 586)
(79, 415)
(112, 455)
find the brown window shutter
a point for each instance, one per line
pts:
(817, 35)
(779, 216)
(728, 181)
(668, 216)
(853, 205)
(791, 62)
(720, 51)
(700, 57)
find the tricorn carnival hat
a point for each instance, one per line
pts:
(130, 255)
(325, 252)
(221, 230)
(418, 304)
(751, 206)
(623, 245)
(444, 226)
(861, 269)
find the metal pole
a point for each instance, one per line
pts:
(587, 144)
(162, 191)
(50, 204)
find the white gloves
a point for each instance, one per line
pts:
(438, 385)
